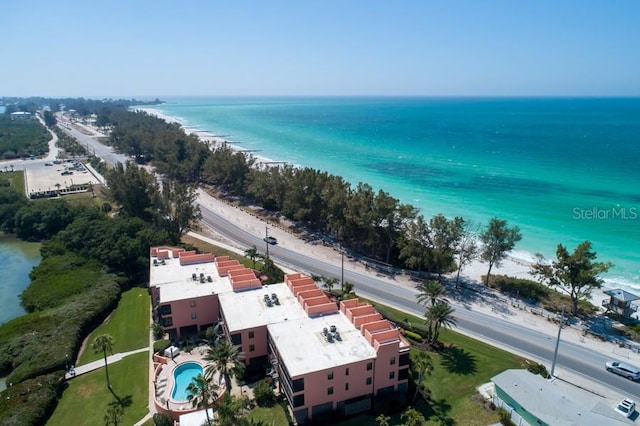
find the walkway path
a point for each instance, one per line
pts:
(91, 366)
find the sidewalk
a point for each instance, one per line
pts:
(82, 369)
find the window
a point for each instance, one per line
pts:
(392, 375)
(330, 391)
(404, 359)
(392, 361)
(193, 315)
(346, 386)
(298, 385)
(168, 322)
(165, 310)
(251, 335)
(298, 400)
(193, 303)
(369, 366)
(368, 380)
(330, 376)
(236, 339)
(252, 348)
(346, 372)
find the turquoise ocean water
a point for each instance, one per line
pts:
(563, 170)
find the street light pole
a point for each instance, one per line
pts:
(266, 238)
(342, 271)
(555, 353)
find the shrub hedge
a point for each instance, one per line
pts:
(32, 401)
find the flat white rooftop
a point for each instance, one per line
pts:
(248, 309)
(557, 403)
(176, 281)
(304, 349)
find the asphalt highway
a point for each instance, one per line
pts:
(505, 334)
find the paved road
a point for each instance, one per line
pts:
(509, 335)
(103, 151)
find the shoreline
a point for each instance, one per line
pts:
(210, 138)
(517, 262)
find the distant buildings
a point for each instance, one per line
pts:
(324, 357)
(19, 115)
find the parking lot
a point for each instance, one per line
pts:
(55, 178)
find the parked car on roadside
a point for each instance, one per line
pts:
(623, 369)
(626, 407)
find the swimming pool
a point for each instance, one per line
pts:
(182, 376)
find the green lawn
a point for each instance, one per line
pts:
(275, 415)
(16, 180)
(464, 364)
(129, 324)
(459, 368)
(86, 399)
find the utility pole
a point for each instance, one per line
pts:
(555, 353)
(266, 238)
(342, 272)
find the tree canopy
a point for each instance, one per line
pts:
(498, 239)
(576, 274)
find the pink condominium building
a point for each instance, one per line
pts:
(324, 357)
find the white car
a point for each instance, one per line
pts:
(623, 369)
(626, 407)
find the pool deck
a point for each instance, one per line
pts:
(164, 381)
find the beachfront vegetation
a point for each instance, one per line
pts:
(576, 274)
(498, 239)
(534, 294)
(20, 138)
(368, 223)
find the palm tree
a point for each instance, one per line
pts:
(228, 409)
(423, 365)
(113, 415)
(438, 316)
(383, 420)
(252, 253)
(348, 289)
(329, 283)
(104, 343)
(200, 392)
(430, 291)
(412, 417)
(226, 359)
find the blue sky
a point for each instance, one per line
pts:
(330, 47)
